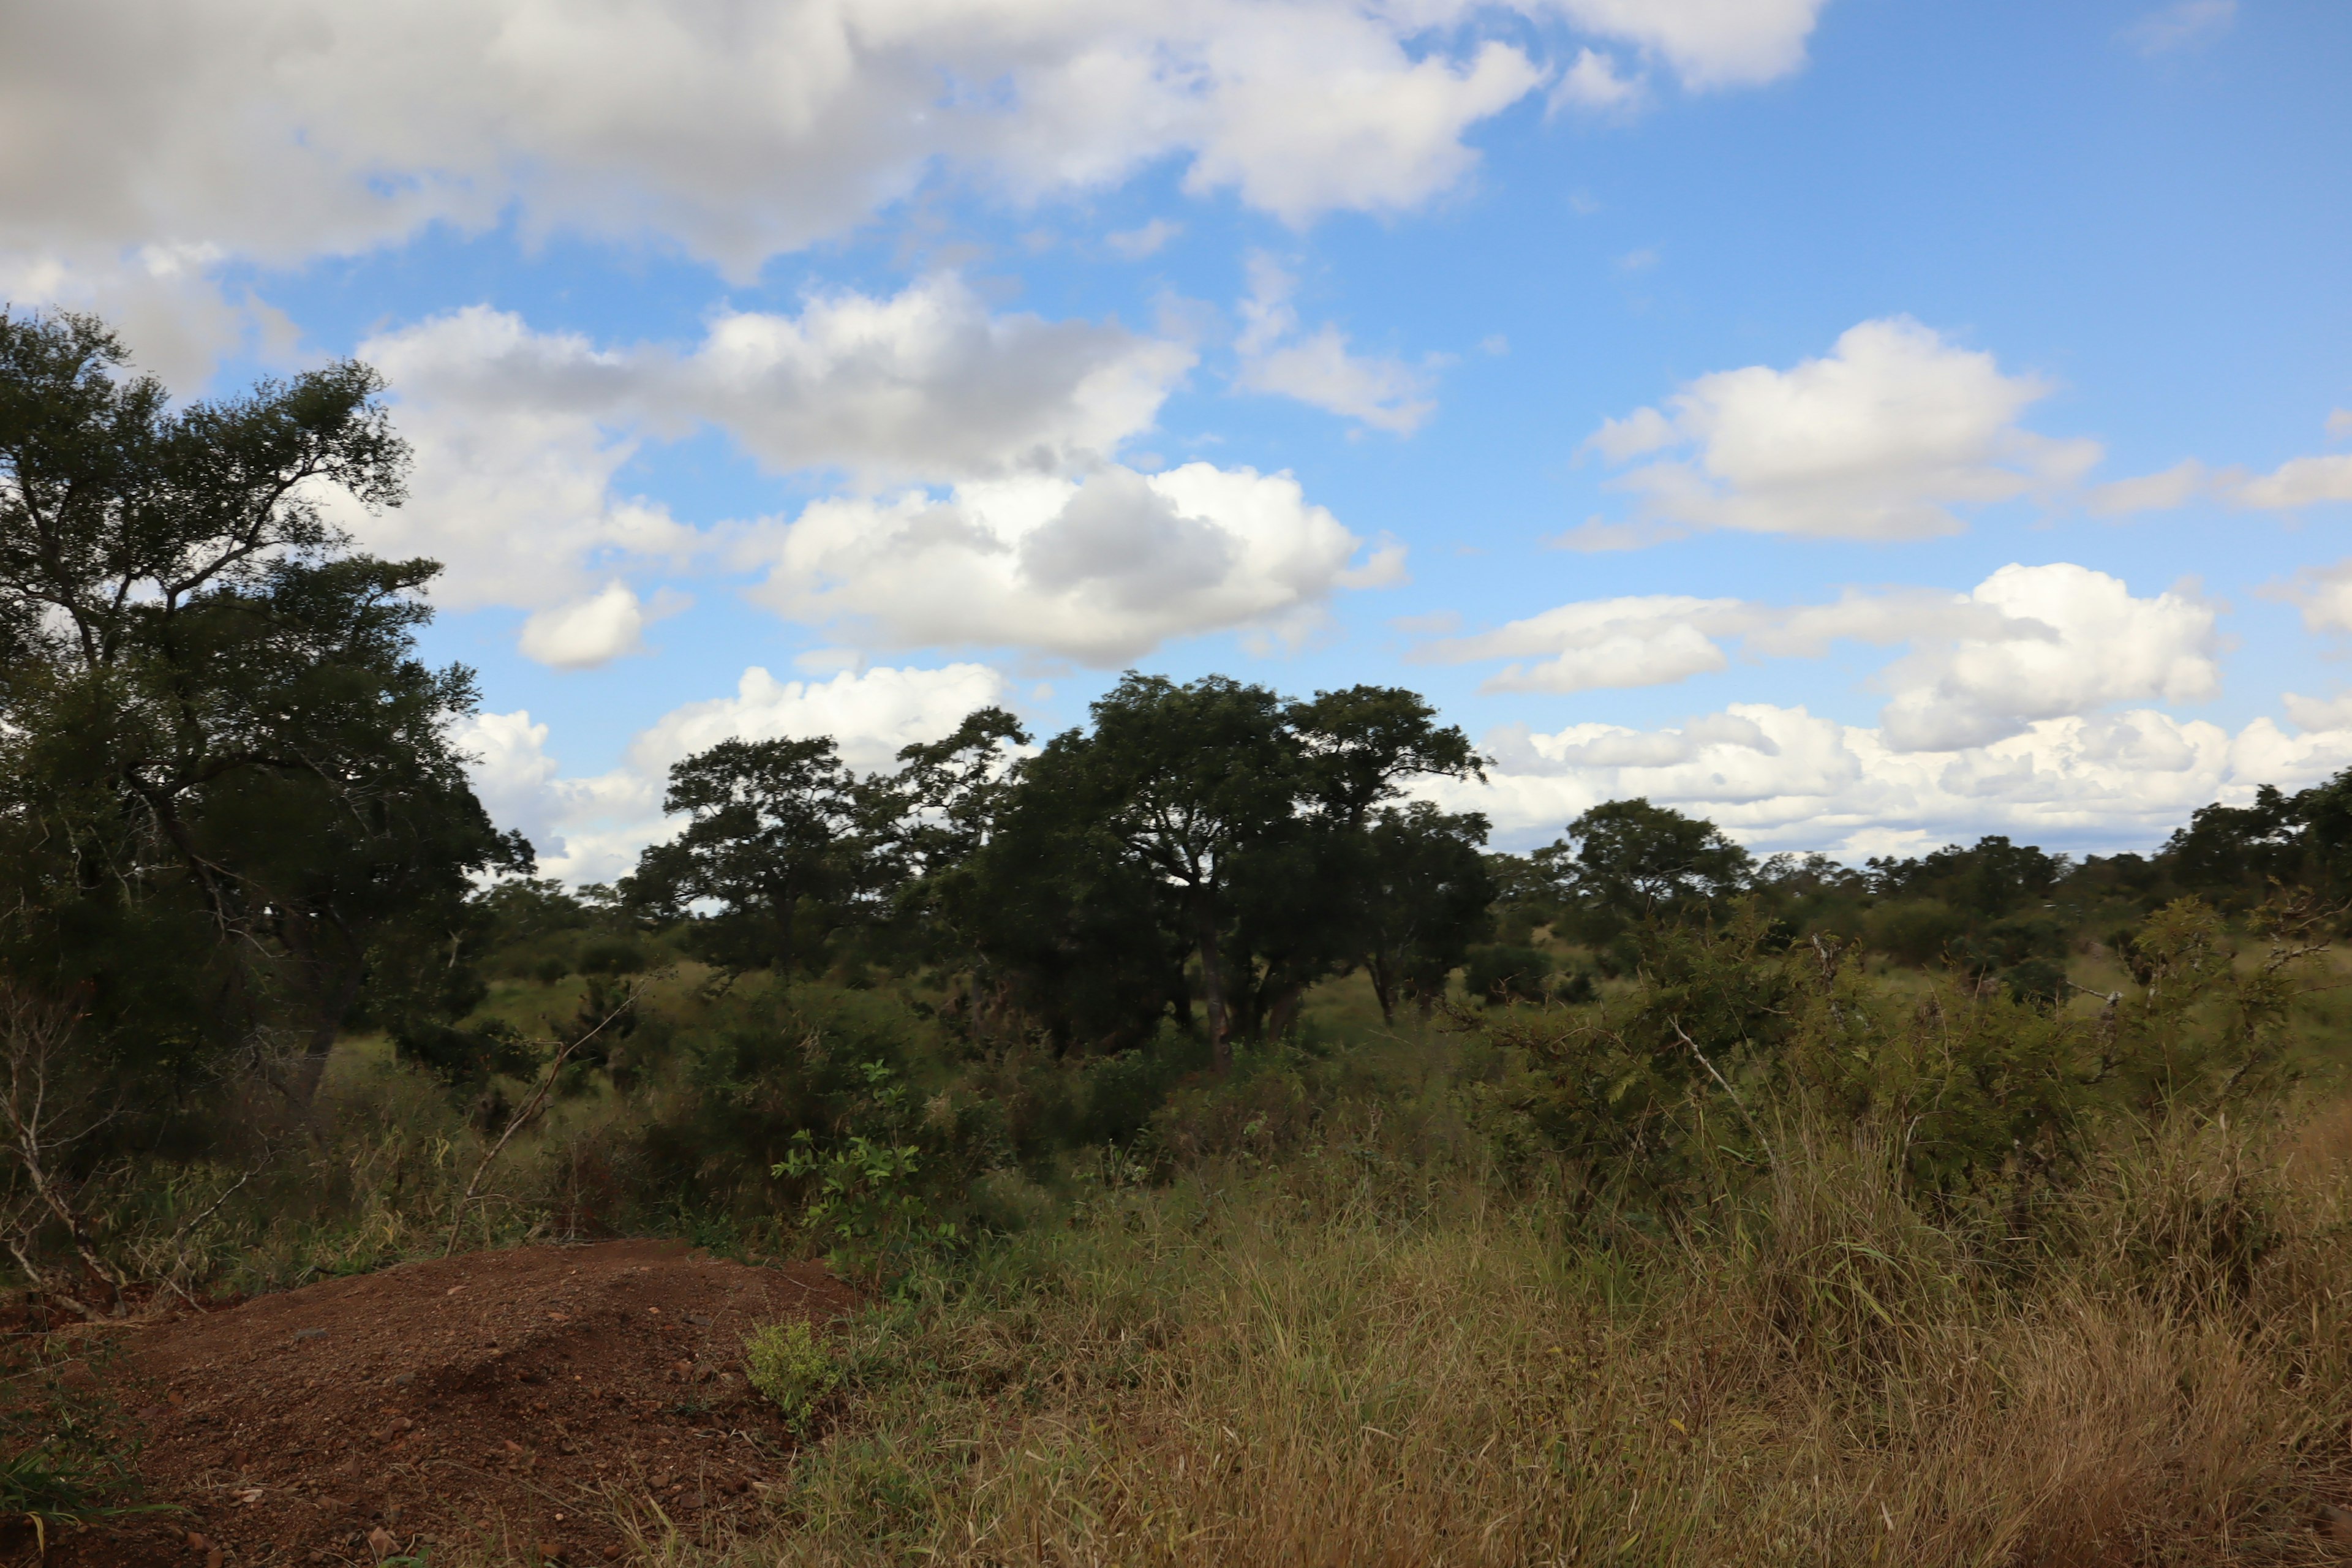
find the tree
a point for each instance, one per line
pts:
(1192, 780)
(1211, 819)
(1630, 860)
(223, 774)
(781, 837)
(1424, 900)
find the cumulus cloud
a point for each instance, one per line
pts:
(1319, 368)
(594, 631)
(1882, 438)
(591, 829)
(284, 130)
(280, 130)
(2029, 643)
(1593, 82)
(1100, 569)
(2103, 647)
(1706, 43)
(520, 436)
(1784, 778)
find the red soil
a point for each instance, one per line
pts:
(515, 1397)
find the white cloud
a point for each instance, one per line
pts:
(1318, 369)
(2324, 594)
(2029, 643)
(1592, 82)
(2103, 647)
(2318, 714)
(520, 436)
(1650, 640)
(2293, 484)
(520, 439)
(1708, 43)
(1101, 570)
(2299, 482)
(163, 299)
(280, 130)
(2176, 486)
(1135, 243)
(2183, 24)
(593, 631)
(1780, 777)
(1881, 439)
(591, 829)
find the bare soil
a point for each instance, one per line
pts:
(524, 1398)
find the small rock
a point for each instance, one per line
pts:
(212, 1559)
(309, 1334)
(380, 1541)
(402, 1379)
(513, 1446)
(196, 1542)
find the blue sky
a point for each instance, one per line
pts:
(1864, 422)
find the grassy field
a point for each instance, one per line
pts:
(1319, 1314)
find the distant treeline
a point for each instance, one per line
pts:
(233, 825)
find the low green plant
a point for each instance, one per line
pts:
(793, 1366)
(866, 1206)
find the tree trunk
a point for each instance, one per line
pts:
(1282, 1017)
(1213, 989)
(1383, 983)
(332, 1008)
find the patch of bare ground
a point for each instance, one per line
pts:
(490, 1397)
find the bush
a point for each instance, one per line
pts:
(1504, 974)
(792, 1366)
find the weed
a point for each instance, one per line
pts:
(793, 1366)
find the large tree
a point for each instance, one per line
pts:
(221, 763)
(1629, 860)
(1212, 819)
(781, 837)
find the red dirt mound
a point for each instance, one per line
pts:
(500, 1396)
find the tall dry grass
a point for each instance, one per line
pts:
(1333, 1364)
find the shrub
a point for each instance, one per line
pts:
(1504, 974)
(791, 1365)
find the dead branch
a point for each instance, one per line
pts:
(531, 1109)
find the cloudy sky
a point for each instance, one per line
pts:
(1868, 423)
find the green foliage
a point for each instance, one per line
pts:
(795, 1367)
(865, 1207)
(778, 838)
(1499, 972)
(1627, 860)
(226, 781)
(1729, 1028)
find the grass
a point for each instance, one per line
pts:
(1329, 1330)
(1345, 1359)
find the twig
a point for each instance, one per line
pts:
(531, 1109)
(1737, 1103)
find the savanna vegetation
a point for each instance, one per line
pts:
(1243, 1162)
